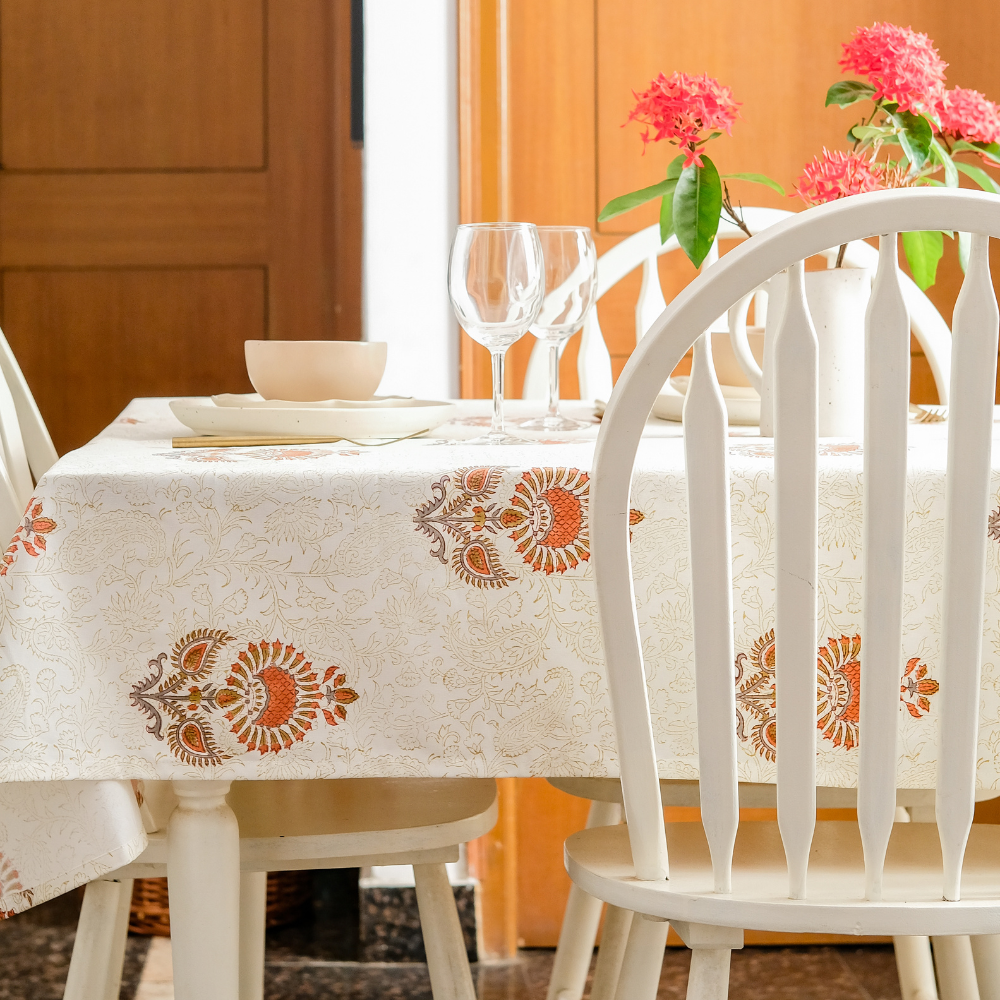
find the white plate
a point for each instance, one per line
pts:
(255, 400)
(408, 417)
(742, 405)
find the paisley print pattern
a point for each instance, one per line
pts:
(271, 696)
(546, 517)
(838, 680)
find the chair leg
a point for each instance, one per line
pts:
(956, 973)
(203, 881)
(640, 974)
(709, 975)
(617, 923)
(95, 969)
(915, 968)
(986, 956)
(253, 926)
(447, 961)
(579, 926)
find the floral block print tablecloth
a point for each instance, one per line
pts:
(425, 608)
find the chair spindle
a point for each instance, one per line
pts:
(706, 432)
(887, 394)
(967, 495)
(795, 468)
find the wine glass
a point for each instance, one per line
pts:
(571, 289)
(496, 281)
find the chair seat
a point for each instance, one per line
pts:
(346, 822)
(599, 860)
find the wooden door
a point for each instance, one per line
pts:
(176, 177)
(544, 91)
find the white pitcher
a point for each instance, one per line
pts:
(837, 300)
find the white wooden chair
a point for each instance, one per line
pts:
(264, 826)
(876, 877)
(643, 248)
(286, 825)
(582, 915)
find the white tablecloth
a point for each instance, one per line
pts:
(419, 609)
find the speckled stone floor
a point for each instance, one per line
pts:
(312, 959)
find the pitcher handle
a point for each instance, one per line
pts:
(741, 345)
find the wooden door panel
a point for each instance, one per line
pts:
(91, 340)
(132, 84)
(118, 220)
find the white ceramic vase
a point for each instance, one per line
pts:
(837, 300)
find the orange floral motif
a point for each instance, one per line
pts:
(30, 536)
(270, 695)
(546, 517)
(548, 514)
(917, 688)
(838, 689)
(10, 882)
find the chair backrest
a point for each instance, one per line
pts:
(26, 449)
(644, 248)
(970, 428)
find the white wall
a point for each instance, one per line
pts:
(411, 191)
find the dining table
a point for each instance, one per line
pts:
(425, 608)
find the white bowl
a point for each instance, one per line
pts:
(309, 370)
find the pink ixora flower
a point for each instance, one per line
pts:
(903, 65)
(967, 114)
(836, 174)
(679, 107)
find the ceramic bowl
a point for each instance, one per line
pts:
(309, 370)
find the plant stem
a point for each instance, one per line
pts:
(840, 255)
(731, 212)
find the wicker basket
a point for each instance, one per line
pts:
(289, 895)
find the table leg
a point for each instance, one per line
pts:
(203, 878)
(986, 955)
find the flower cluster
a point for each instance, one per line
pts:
(836, 174)
(902, 65)
(967, 114)
(679, 107)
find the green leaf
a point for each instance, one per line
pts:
(844, 93)
(865, 132)
(923, 251)
(964, 246)
(990, 150)
(950, 170)
(915, 136)
(696, 210)
(666, 217)
(980, 176)
(626, 202)
(756, 179)
(675, 167)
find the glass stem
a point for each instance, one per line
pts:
(554, 380)
(496, 425)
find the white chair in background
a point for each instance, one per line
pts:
(282, 825)
(877, 876)
(644, 248)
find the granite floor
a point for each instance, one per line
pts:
(314, 959)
